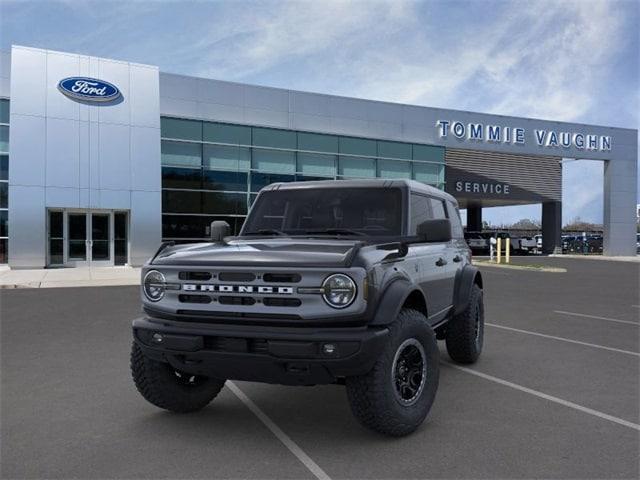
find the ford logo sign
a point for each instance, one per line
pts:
(89, 89)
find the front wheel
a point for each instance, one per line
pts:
(165, 387)
(396, 395)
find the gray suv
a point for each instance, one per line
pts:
(348, 282)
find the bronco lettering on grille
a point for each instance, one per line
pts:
(191, 287)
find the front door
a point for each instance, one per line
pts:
(100, 241)
(77, 240)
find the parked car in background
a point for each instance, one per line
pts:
(528, 244)
(478, 243)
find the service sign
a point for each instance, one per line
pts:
(88, 89)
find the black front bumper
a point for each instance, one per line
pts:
(261, 354)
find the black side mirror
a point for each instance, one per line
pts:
(434, 230)
(219, 230)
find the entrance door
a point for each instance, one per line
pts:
(87, 238)
(77, 239)
(100, 241)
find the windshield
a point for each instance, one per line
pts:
(327, 211)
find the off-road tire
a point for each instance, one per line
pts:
(159, 384)
(464, 342)
(373, 396)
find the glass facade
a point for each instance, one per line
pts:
(4, 180)
(212, 171)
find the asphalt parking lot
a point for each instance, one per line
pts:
(554, 395)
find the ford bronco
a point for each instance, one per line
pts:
(349, 282)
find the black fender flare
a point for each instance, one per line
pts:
(465, 279)
(392, 299)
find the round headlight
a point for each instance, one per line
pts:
(153, 285)
(339, 290)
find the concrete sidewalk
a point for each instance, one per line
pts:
(69, 277)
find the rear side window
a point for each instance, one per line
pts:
(420, 211)
(456, 223)
(437, 209)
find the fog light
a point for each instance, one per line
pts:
(157, 338)
(329, 348)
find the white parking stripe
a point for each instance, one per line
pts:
(551, 398)
(280, 435)
(596, 317)
(562, 339)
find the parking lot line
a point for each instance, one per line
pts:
(280, 435)
(563, 339)
(545, 396)
(596, 317)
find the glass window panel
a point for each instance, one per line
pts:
(4, 167)
(310, 178)
(394, 169)
(226, 157)
(428, 153)
(175, 201)
(4, 139)
(430, 173)
(274, 161)
(4, 251)
(357, 167)
(4, 223)
(55, 225)
(4, 111)
(180, 153)
(225, 133)
(217, 180)
(358, 146)
(120, 242)
(224, 203)
(317, 164)
(394, 150)
(271, 137)
(318, 143)
(185, 226)
(4, 194)
(173, 177)
(56, 248)
(178, 128)
(260, 180)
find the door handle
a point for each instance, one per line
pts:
(457, 258)
(441, 262)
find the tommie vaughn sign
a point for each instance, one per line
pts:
(88, 89)
(478, 132)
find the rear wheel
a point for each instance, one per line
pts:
(165, 387)
(396, 395)
(465, 332)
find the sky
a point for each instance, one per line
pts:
(558, 60)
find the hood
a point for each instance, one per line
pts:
(271, 252)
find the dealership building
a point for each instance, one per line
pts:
(101, 160)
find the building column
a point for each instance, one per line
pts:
(620, 198)
(551, 227)
(474, 218)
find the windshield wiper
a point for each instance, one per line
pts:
(267, 231)
(335, 231)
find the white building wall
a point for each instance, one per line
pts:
(71, 154)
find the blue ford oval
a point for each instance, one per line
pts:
(89, 89)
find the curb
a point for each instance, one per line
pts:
(521, 267)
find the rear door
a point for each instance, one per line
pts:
(430, 260)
